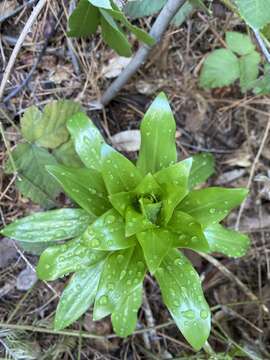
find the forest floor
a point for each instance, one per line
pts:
(230, 125)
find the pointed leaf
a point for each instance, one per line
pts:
(226, 241)
(122, 200)
(84, 186)
(108, 233)
(150, 211)
(182, 293)
(155, 244)
(65, 154)
(59, 260)
(211, 205)
(158, 148)
(78, 296)
(105, 4)
(54, 225)
(239, 43)
(87, 140)
(84, 20)
(148, 186)
(203, 166)
(189, 232)
(124, 319)
(118, 172)
(135, 222)
(123, 271)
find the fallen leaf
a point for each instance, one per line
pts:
(26, 279)
(129, 140)
(230, 176)
(240, 158)
(115, 67)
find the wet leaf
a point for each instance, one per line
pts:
(203, 166)
(136, 222)
(65, 154)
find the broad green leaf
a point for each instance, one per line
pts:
(211, 205)
(78, 296)
(249, 69)
(158, 149)
(35, 248)
(105, 4)
(123, 272)
(220, 68)
(124, 319)
(65, 154)
(122, 200)
(108, 233)
(53, 131)
(226, 241)
(30, 124)
(84, 186)
(118, 172)
(87, 140)
(189, 232)
(142, 8)
(239, 43)
(135, 222)
(113, 35)
(155, 243)
(182, 294)
(59, 260)
(33, 179)
(203, 166)
(151, 211)
(54, 225)
(84, 20)
(255, 12)
(183, 13)
(149, 186)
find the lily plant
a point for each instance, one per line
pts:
(132, 219)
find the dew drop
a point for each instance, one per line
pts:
(212, 210)
(120, 258)
(122, 274)
(103, 300)
(194, 238)
(204, 314)
(188, 314)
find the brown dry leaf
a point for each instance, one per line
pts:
(230, 176)
(129, 140)
(7, 7)
(115, 67)
(241, 157)
(61, 73)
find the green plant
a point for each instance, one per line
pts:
(133, 218)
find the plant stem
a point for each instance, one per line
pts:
(262, 45)
(158, 29)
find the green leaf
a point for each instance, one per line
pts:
(142, 8)
(49, 129)
(124, 319)
(182, 293)
(59, 260)
(155, 243)
(239, 43)
(118, 172)
(190, 234)
(135, 222)
(33, 179)
(84, 186)
(54, 225)
(84, 20)
(123, 272)
(108, 233)
(183, 13)
(211, 205)
(249, 69)
(226, 241)
(78, 296)
(158, 149)
(35, 248)
(122, 200)
(262, 85)
(65, 154)
(87, 140)
(203, 166)
(254, 12)
(151, 211)
(220, 68)
(114, 36)
(148, 186)
(105, 4)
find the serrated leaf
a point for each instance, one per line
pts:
(78, 296)
(254, 12)
(124, 319)
(105, 4)
(30, 124)
(33, 179)
(239, 43)
(158, 149)
(182, 293)
(87, 140)
(53, 131)
(54, 225)
(113, 35)
(226, 241)
(249, 70)
(155, 244)
(59, 260)
(118, 172)
(189, 232)
(84, 186)
(123, 272)
(203, 166)
(211, 205)
(84, 20)
(135, 222)
(220, 68)
(65, 154)
(108, 233)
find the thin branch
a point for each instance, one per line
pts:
(158, 29)
(262, 45)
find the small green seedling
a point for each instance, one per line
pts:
(132, 219)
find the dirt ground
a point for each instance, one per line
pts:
(232, 126)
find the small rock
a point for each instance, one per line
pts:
(26, 279)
